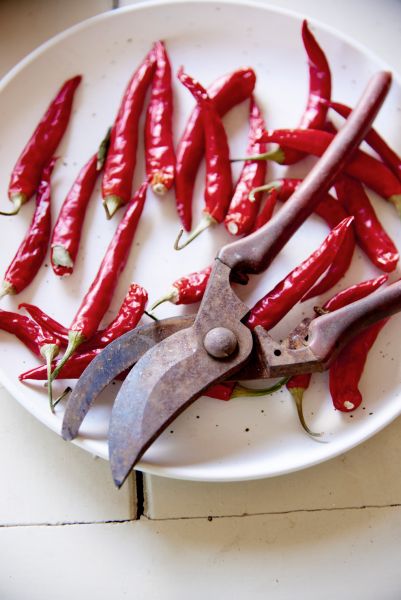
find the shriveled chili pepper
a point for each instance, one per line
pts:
(362, 166)
(225, 93)
(99, 295)
(33, 248)
(159, 144)
(375, 141)
(27, 172)
(298, 384)
(371, 235)
(67, 230)
(128, 316)
(332, 212)
(347, 369)
(314, 116)
(218, 187)
(187, 289)
(243, 208)
(121, 156)
(276, 303)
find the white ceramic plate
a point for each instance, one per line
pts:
(212, 440)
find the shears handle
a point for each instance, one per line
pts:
(254, 253)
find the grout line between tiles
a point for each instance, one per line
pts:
(203, 517)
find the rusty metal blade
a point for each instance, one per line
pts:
(113, 360)
(161, 385)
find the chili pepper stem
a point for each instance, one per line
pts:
(263, 188)
(206, 221)
(148, 314)
(7, 289)
(18, 200)
(111, 205)
(61, 257)
(67, 391)
(298, 393)
(396, 200)
(171, 296)
(276, 155)
(75, 338)
(240, 390)
(49, 353)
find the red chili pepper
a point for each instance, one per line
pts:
(25, 329)
(362, 166)
(372, 237)
(276, 303)
(331, 211)
(27, 172)
(159, 144)
(33, 248)
(121, 157)
(266, 212)
(220, 391)
(45, 321)
(73, 369)
(347, 369)
(218, 187)
(314, 116)
(187, 289)
(298, 384)
(243, 208)
(99, 295)
(226, 92)
(375, 141)
(67, 230)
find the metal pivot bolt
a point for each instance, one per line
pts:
(220, 342)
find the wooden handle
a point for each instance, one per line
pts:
(255, 252)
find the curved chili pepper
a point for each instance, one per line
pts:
(298, 384)
(159, 145)
(243, 208)
(218, 187)
(33, 248)
(372, 238)
(32, 335)
(375, 141)
(187, 289)
(266, 212)
(362, 166)
(99, 295)
(121, 156)
(347, 369)
(226, 92)
(45, 321)
(72, 369)
(66, 234)
(268, 311)
(331, 211)
(27, 172)
(319, 96)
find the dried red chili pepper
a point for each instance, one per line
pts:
(187, 289)
(347, 369)
(27, 172)
(159, 144)
(332, 212)
(67, 230)
(266, 212)
(226, 92)
(371, 235)
(121, 156)
(362, 166)
(33, 248)
(218, 187)
(276, 303)
(298, 384)
(243, 208)
(375, 141)
(25, 329)
(99, 295)
(319, 96)
(72, 369)
(45, 321)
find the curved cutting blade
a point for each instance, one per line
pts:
(113, 360)
(172, 374)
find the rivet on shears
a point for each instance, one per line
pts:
(220, 342)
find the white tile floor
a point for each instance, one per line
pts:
(332, 531)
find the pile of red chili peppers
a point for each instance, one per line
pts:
(243, 206)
